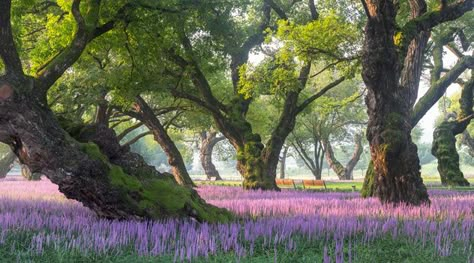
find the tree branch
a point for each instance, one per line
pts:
(8, 51)
(320, 93)
(136, 138)
(86, 25)
(438, 88)
(431, 19)
(129, 130)
(277, 9)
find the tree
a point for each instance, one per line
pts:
(208, 140)
(344, 172)
(279, 75)
(338, 118)
(392, 64)
(116, 185)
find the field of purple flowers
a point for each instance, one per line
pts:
(38, 224)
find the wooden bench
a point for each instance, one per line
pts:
(312, 183)
(286, 183)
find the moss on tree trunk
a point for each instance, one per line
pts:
(444, 149)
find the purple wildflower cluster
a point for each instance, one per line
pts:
(271, 221)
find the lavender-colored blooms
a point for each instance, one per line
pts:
(271, 219)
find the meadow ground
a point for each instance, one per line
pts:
(37, 224)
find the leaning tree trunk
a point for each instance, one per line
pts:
(394, 155)
(208, 141)
(175, 160)
(6, 163)
(97, 177)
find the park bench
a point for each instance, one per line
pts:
(285, 183)
(313, 183)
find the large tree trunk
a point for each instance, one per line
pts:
(394, 155)
(178, 168)
(208, 141)
(99, 177)
(6, 163)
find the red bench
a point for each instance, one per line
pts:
(313, 183)
(286, 183)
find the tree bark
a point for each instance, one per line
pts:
(444, 149)
(6, 163)
(113, 184)
(444, 139)
(146, 115)
(394, 155)
(208, 141)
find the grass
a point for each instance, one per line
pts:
(384, 249)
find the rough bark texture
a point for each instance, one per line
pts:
(6, 164)
(146, 115)
(394, 155)
(208, 141)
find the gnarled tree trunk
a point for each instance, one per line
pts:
(392, 64)
(444, 149)
(114, 184)
(444, 139)
(394, 155)
(208, 141)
